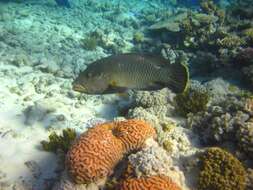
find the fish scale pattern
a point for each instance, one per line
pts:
(133, 133)
(149, 183)
(94, 154)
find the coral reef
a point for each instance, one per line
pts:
(59, 142)
(220, 170)
(154, 160)
(94, 155)
(66, 183)
(244, 57)
(245, 137)
(133, 134)
(220, 122)
(248, 75)
(192, 101)
(249, 181)
(146, 183)
(90, 43)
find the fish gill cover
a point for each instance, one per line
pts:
(196, 119)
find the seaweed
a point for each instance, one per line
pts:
(90, 43)
(59, 142)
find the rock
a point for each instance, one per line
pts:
(66, 183)
(172, 24)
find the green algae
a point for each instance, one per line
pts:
(59, 142)
(90, 43)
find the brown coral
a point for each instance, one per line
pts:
(133, 133)
(94, 155)
(149, 183)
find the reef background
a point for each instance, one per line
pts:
(43, 47)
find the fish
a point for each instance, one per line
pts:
(64, 3)
(121, 72)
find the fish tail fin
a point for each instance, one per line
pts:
(177, 77)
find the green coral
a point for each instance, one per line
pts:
(208, 6)
(249, 34)
(220, 170)
(168, 146)
(59, 142)
(90, 43)
(231, 41)
(167, 127)
(192, 101)
(138, 37)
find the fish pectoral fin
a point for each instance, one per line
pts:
(113, 83)
(115, 89)
(156, 84)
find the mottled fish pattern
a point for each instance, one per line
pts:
(117, 73)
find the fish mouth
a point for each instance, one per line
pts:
(79, 88)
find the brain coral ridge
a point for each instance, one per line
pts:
(96, 152)
(133, 133)
(149, 183)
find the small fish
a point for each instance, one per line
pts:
(118, 73)
(64, 3)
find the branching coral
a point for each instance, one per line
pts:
(245, 138)
(244, 57)
(220, 122)
(59, 142)
(192, 101)
(231, 42)
(148, 183)
(220, 170)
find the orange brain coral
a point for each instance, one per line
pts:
(149, 183)
(133, 133)
(94, 155)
